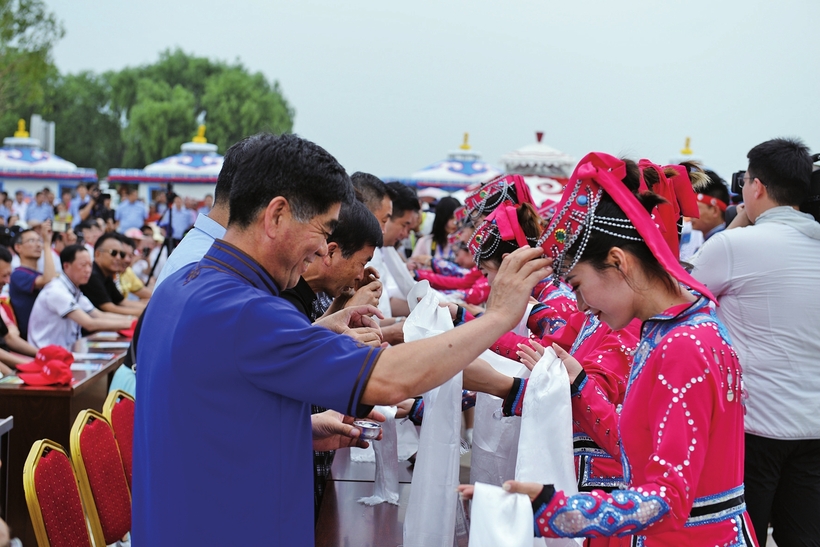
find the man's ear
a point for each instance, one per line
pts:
(276, 215)
(332, 248)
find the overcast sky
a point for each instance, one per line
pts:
(390, 87)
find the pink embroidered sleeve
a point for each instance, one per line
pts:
(674, 398)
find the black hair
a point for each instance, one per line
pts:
(716, 187)
(222, 194)
(5, 255)
(56, 236)
(18, 239)
(404, 199)
(532, 226)
(811, 204)
(600, 243)
(357, 228)
(69, 254)
(86, 225)
(784, 167)
(445, 209)
(105, 237)
(305, 174)
(370, 190)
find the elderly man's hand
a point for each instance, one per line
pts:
(368, 295)
(371, 274)
(333, 430)
(352, 317)
(519, 273)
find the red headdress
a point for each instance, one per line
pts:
(501, 225)
(575, 218)
(506, 188)
(680, 200)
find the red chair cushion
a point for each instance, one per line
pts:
(105, 474)
(122, 420)
(60, 501)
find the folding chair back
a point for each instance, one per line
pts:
(119, 411)
(101, 477)
(53, 497)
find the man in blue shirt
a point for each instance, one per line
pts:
(176, 220)
(228, 369)
(130, 213)
(39, 211)
(79, 204)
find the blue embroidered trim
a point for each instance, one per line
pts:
(627, 512)
(591, 324)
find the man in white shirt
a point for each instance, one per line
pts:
(61, 310)
(766, 275)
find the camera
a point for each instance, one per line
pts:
(737, 182)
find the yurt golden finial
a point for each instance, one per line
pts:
(686, 150)
(200, 135)
(465, 145)
(21, 129)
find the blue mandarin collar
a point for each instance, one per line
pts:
(226, 257)
(681, 310)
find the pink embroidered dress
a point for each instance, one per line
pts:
(681, 443)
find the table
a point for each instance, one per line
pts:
(345, 522)
(47, 412)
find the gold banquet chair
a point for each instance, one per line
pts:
(53, 497)
(118, 409)
(101, 477)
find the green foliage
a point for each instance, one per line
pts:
(233, 102)
(27, 33)
(87, 130)
(240, 104)
(162, 118)
(138, 115)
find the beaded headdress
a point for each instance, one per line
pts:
(575, 219)
(501, 225)
(506, 188)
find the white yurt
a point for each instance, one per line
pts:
(192, 172)
(544, 168)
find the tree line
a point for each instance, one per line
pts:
(131, 117)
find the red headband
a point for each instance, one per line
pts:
(596, 173)
(709, 200)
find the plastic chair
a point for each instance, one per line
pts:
(101, 477)
(53, 497)
(118, 409)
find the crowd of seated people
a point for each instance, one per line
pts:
(78, 265)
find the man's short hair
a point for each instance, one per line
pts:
(784, 166)
(87, 225)
(105, 237)
(18, 240)
(370, 189)
(5, 255)
(69, 254)
(357, 228)
(404, 199)
(302, 172)
(716, 187)
(222, 193)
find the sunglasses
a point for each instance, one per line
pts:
(114, 253)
